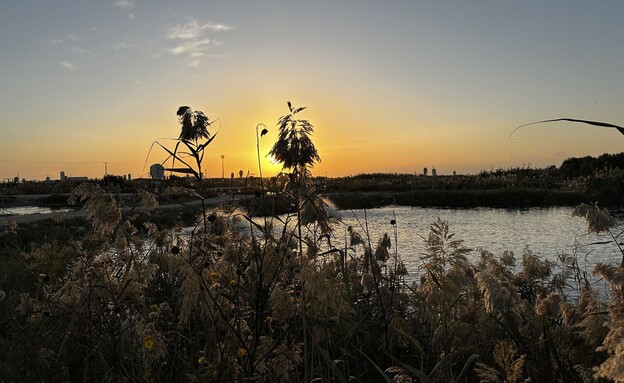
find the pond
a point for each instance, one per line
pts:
(547, 232)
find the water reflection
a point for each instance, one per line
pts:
(547, 232)
(25, 210)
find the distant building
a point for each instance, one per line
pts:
(157, 172)
(73, 179)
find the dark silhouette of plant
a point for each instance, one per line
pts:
(588, 122)
(142, 302)
(294, 148)
(194, 124)
(296, 152)
(194, 129)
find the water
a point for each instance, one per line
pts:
(25, 210)
(547, 232)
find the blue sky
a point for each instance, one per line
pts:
(390, 86)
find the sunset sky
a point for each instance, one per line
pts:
(390, 86)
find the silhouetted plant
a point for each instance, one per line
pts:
(194, 124)
(242, 301)
(294, 148)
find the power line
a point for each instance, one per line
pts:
(69, 162)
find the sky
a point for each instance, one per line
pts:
(89, 86)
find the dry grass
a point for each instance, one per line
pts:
(285, 300)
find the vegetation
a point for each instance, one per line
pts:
(276, 299)
(577, 180)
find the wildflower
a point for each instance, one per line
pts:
(241, 352)
(201, 360)
(148, 343)
(233, 282)
(214, 275)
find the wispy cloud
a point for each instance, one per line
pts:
(192, 48)
(218, 27)
(192, 39)
(67, 65)
(73, 37)
(193, 30)
(82, 51)
(125, 4)
(118, 46)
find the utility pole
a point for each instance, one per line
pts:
(105, 168)
(222, 167)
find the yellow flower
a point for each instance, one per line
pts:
(148, 343)
(241, 352)
(233, 282)
(201, 360)
(214, 275)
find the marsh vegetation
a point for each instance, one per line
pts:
(284, 299)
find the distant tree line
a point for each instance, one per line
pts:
(586, 166)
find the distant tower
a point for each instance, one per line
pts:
(129, 177)
(63, 178)
(157, 172)
(434, 172)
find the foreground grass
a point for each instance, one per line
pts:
(154, 305)
(130, 298)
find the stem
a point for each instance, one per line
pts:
(261, 178)
(619, 247)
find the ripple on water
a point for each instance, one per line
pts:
(547, 232)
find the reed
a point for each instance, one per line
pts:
(286, 299)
